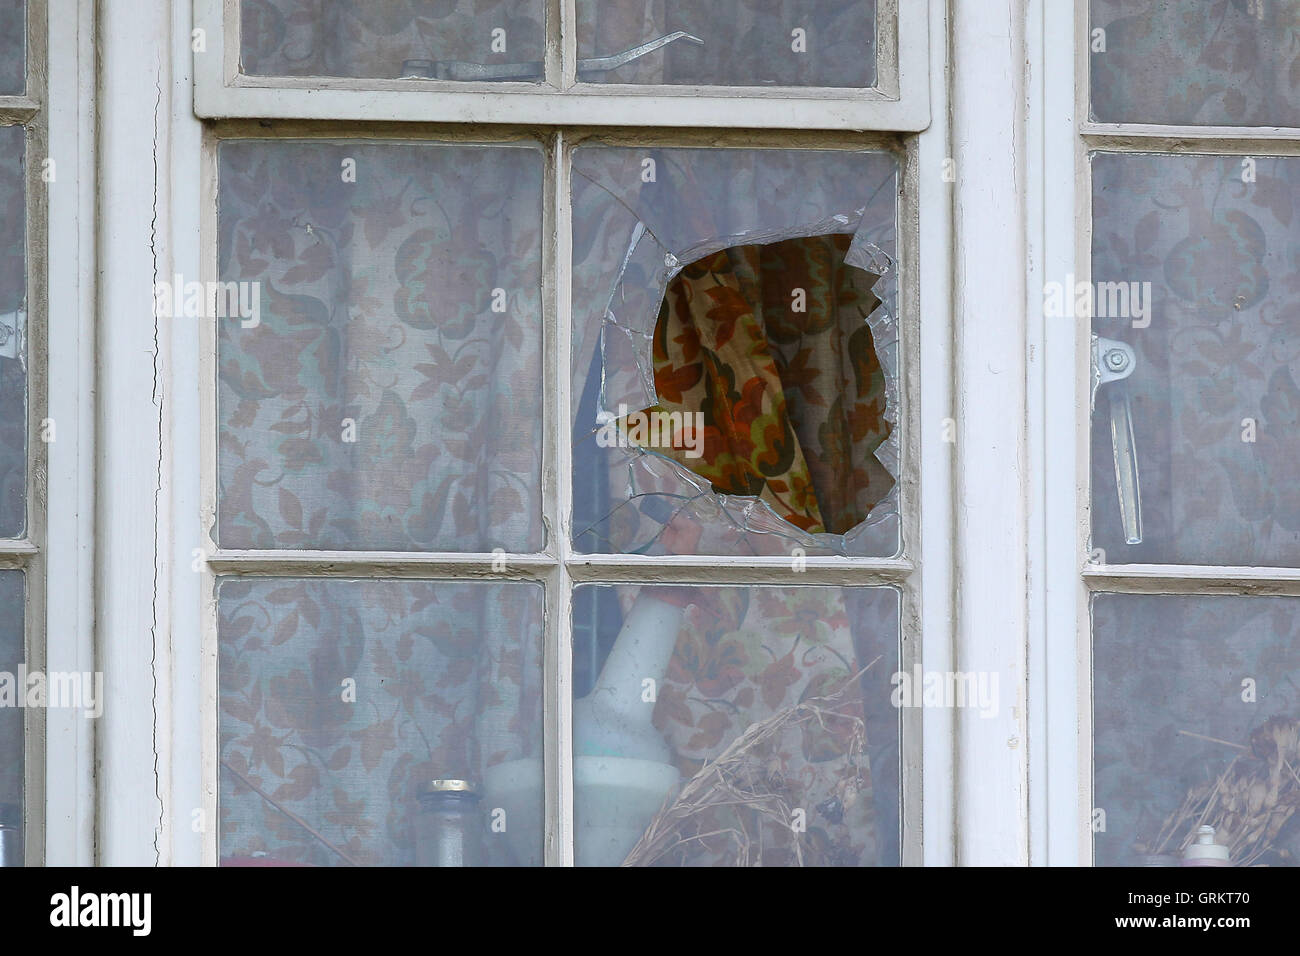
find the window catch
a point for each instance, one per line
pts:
(1112, 363)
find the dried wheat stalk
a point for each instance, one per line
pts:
(1250, 802)
(744, 779)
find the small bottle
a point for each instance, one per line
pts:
(449, 828)
(419, 69)
(1204, 851)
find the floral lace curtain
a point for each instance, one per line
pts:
(388, 399)
(373, 38)
(746, 42)
(12, 654)
(1222, 350)
(13, 361)
(771, 345)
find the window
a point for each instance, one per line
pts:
(541, 402)
(835, 64)
(1172, 314)
(24, 430)
(496, 493)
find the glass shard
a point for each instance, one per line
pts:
(790, 251)
(827, 43)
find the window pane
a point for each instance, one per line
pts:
(12, 655)
(1190, 62)
(389, 395)
(387, 39)
(1190, 694)
(766, 683)
(13, 47)
(13, 332)
(785, 43)
(1195, 273)
(342, 700)
(735, 351)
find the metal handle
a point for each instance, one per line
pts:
(1112, 363)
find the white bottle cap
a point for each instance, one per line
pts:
(1205, 848)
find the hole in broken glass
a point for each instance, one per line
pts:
(759, 411)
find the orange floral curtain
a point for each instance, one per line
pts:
(771, 344)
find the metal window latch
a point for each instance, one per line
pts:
(463, 70)
(1112, 363)
(13, 330)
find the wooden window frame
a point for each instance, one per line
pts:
(898, 102)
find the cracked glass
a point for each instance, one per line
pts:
(735, 351)
(735, 726)
(342, 702)
(826, 43)
(387, 394)
(390, 39)
(1196, 422)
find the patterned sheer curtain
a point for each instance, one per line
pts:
(374, 38)
(13, 360)
(746, 42)
(13, 448)
(388, 399)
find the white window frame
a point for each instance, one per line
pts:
(69, 747)
(1002, 514)
(898, 102)
(559, 567)
(156, 770)
(1063, 134)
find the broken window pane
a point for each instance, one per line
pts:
(1195, 444)
(387, 395)
(1191, 62)
(1195, 722)
(341, 702)
(735, 351)
(828, 43)
(786, 692)
(13, 332)
(12, 655)
(13, 47)
(388, 39)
